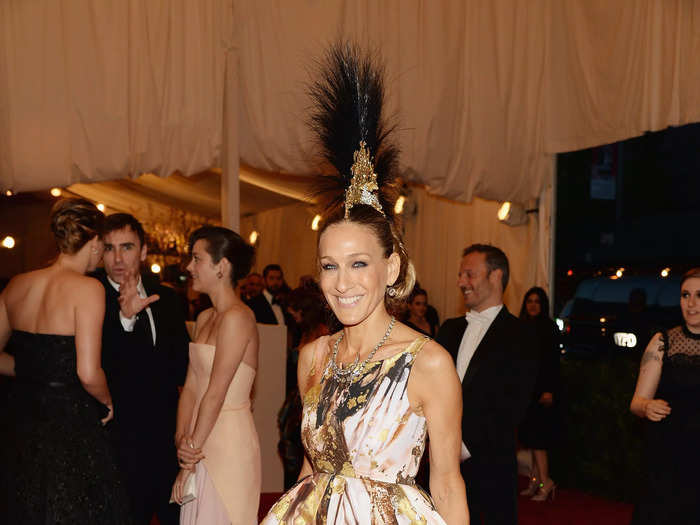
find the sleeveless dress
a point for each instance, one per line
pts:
(365, 444)
(229, 478)
(58, 465)
(672, 491)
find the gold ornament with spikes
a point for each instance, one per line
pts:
(363, 186)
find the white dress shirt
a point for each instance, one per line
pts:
(129, 322)
(277, 309)
(478, 324)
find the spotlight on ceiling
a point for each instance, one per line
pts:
(155, 268)
(315, 222)
(253, 237)
(56, 192)
(8, 242)
(9, 193)
(665, 272)
(101, 207)
(513, 213)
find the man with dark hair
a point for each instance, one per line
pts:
(144, 355)
(254, 285)
(267, 306)
(496, 359)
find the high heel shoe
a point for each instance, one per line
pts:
(531, 489)
(545, 494)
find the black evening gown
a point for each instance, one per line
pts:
(540, 428)
(672, 486)
(57, 464)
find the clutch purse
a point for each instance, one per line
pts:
(190, 490)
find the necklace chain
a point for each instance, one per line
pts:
(351, 372)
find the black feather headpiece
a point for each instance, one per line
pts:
(348, 98)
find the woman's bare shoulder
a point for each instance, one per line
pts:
(434, 359)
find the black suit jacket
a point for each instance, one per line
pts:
(144, 379)
(497, 386)
(262, 310)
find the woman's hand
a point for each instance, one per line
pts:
(187, 454)
(656, 409)
(110, 414)
(179, 486)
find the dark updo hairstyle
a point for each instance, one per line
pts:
(74, 222)
(544, 303)
(693, 273)
(348, 97)
(222, 242)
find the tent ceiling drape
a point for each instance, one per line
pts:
(484, 92)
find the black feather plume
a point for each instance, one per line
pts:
(348, 97)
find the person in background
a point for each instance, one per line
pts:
(431, 314)
(254, 285)
(268, 306)
(144, 352)
(667, 396)
(538, 431)
(416, 314)
(496, 360)
(216, 435)
(58, 465)
(307, 306)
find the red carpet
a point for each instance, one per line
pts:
(570, 507)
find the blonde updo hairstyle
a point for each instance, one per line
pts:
(74, 222)
(389, 238)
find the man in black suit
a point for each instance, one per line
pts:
(267, 307)
(495, 355)
(144, 355)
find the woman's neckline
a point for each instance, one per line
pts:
(42, 333)
(688, 333)
(400, 352)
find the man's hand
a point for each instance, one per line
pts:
(130, 303)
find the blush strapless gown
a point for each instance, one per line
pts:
(228, 478)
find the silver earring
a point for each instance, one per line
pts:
(391, 291)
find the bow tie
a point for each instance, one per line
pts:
(476, 317)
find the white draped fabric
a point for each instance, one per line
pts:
(483, 92)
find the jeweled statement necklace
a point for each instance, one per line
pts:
(351, 372)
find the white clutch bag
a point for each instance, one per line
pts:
(190, 490)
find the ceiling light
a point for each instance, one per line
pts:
(314, 223)
(253, 237)
(56, 192)
(513, 213)
(665, 272)
(8, 242)
(155, 268)
(9, 193)
(101, 207)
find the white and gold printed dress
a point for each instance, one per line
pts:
(365, 444)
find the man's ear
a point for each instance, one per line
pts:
(496, 278)
(393, 268)
(144, 252)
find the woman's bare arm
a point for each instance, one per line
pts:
(236, 331)
(89, 316)
(435, 386)
(643, 403)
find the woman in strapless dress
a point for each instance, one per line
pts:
(57, 462)
(216, 437)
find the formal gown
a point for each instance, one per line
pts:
(58, 465)
(365, 444)
(228, 479)
(672, 491)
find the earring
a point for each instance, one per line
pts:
(391, 291)
(219, 275)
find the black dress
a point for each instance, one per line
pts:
(672, 489)
(57, 464)
(540, 427)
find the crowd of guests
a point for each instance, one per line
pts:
(116, 414)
